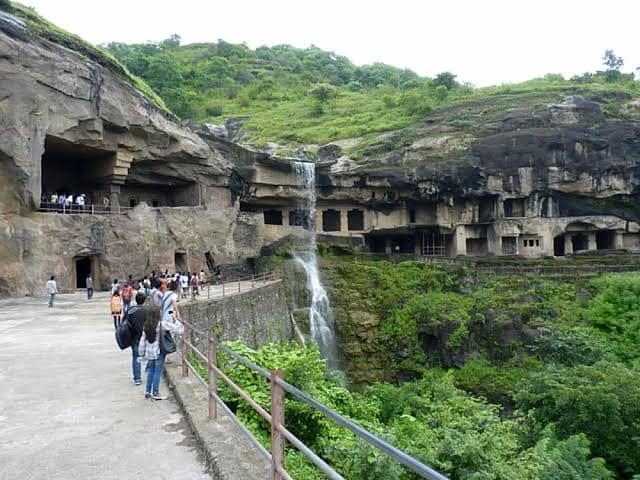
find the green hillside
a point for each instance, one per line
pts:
(310, 96)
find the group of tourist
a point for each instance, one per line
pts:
(70, 203)
(154, 313)
(148, 321)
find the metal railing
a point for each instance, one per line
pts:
(91, 209)
(279, 388)
(250, 282)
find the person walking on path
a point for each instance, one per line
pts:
(52, 289)
(127, 295)
(149, 349)
(136, 316)
(89, 284)
(115, 286)
(116, 308)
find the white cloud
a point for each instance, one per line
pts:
(484, 42)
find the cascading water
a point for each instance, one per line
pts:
(320, 314)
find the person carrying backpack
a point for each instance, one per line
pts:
(136, 316)
(149, 348)
(116, 308)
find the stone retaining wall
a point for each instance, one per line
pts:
(254, 317)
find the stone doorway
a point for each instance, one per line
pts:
(558, 246)
(180, 261)
(84, 266)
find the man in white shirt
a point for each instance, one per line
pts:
(52, 289)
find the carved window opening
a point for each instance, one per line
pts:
(298, 218)
(412, 215)
(509, 245)
(487, 209)
(273, 217)
(155, 203)
(331, 220)
(132, 202)
(514, 208)
(355, 219)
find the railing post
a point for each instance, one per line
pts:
(213, 361)
(208, 291)
(238, 285)
(223, 289)
(277, 418)
(183, 350)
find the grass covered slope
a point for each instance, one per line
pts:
(309, 96)
(39, 26)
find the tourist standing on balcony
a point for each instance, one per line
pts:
(80, 202)
(62, 200)
(52, 289)
(69, 203)
(116, 308)
(127, 295)
(89, 284)
(53, 204)
(106, 203)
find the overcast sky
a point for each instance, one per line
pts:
(484, 42)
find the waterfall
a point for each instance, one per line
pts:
(320, 314)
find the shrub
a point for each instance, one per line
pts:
(214, 111)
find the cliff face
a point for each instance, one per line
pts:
(101, 137)
(533, 143)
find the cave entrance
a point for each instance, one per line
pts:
(509, 245)
(180, 261)
(558, 246)
(83, 269)
(605, 240)
(211, 263)
(579, 241)
(435, 244)
(71, 168)
(478, 247)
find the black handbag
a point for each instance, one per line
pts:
(167, 342)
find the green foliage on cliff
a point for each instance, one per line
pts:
(431, 419)
(302, 96)
(41, 27)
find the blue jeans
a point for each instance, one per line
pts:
(89, 293)
(154, 374)
(52, 297)
(135, 365)
(125, 306)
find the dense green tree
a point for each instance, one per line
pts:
(447, 79)
(601, 400)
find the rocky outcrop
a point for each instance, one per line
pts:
(52, 97)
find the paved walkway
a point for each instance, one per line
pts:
(68, 407)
